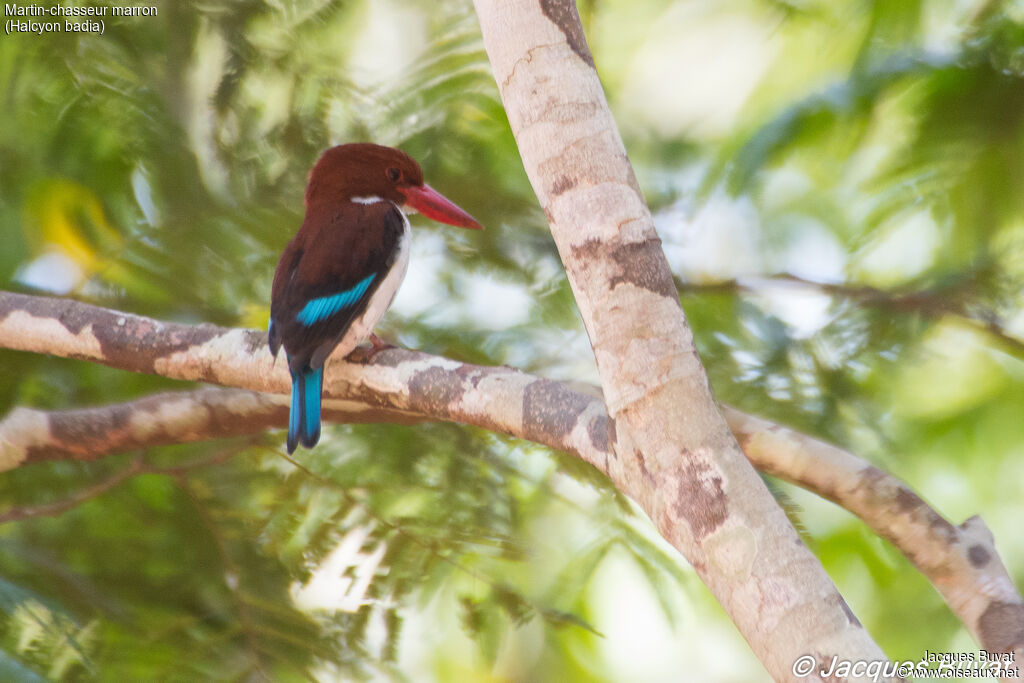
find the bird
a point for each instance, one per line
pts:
(341, 271)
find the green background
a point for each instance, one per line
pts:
(870, 152)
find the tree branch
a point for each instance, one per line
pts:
(960, 561)
(138, 466)
(935, 304)
(397, 386)
(672, 451)
(29, 436)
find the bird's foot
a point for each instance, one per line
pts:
(361, 354)
(379, 344)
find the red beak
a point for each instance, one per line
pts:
(436, 206)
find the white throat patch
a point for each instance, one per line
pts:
(373, 199)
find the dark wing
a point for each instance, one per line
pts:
(328, 274)
(286, 266)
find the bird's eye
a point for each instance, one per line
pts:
(394, 174)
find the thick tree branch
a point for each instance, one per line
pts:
(29, 436)
(397, 386)
(671, 449)
(960, 561)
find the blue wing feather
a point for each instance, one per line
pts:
(322, 308)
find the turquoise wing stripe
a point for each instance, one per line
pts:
(320, 309)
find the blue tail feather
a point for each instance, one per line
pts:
(311, 425)
(304, 416)
(295, 413)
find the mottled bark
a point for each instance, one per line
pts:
(398, 384)
(405, 387)
(30, 436)
(960, 561)
(671, 450)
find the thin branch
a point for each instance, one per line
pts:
(135, 468)
(933, 303)
(59, 507)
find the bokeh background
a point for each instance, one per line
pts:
(838, 187)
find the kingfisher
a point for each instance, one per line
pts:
(340, 272)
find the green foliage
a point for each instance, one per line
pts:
(44, 637)
(165, 162)
(902, 172)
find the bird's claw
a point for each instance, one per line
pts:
(379, 344)
(364, 355)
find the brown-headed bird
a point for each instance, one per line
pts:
(340, 272)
